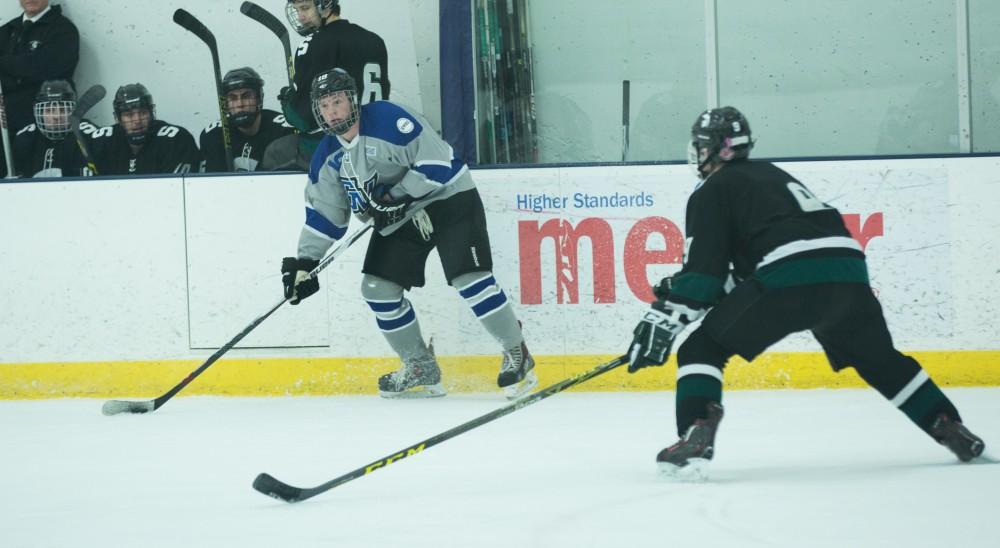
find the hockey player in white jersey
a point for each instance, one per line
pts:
(384, 162)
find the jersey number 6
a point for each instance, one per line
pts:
(372, 73)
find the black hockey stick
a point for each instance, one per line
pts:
(86, 102)
(8, 146)
(191, 23)
(273, 24)
(114, 407)
(267, 484)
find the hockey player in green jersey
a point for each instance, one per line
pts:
(383, 162)
(798, 270)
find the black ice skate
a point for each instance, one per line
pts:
(517, 372)
(420, 378)
(956, 437)
(688, 459)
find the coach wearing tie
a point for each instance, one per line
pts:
(39, 45)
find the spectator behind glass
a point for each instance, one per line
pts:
(48, 147)
(251, 127)
(139, 144)
(37, 46)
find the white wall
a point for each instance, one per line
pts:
(156, 269)
(127, 42)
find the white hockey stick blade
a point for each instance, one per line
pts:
(114, 407)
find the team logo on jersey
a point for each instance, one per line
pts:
(370, 151)
(358, 193)
(404, 125)
(33, 45)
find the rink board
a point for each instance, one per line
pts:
(332, 376)
(123, 286)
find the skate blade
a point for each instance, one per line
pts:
(696, 471)
(417, 392)
(518, 389)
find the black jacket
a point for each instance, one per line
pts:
(47, 50)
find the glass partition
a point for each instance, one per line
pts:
(852, 77)
(984, 79)
(583, 51)
(847, 78)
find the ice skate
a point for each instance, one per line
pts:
(420, 378)
(688, 459)
(956, 437)
(517, 372)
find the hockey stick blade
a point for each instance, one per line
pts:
(183, 18)
(273, 487)
(267, 484)
(114, 407)
(264, 17)
(274, 25)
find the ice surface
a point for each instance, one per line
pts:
(793, 468)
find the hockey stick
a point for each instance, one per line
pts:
(626, 96)
(86, 102)
(267, 484)
(8, 147)
(273, 24)
(114, 407)
(191, 23)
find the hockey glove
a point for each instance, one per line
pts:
(295, 277)
(662, 289)
(385, 209)
(285, 95)
(654, 336)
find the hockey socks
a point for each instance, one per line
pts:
(490, 305)
(698, 385)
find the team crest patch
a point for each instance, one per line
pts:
(371, 151)
(404, 125)
(33, 45)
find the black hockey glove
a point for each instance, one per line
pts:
(654, 336)
(286, 94)
(662, 289)
(295, 277)
(385, 209)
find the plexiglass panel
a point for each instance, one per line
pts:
(582, 53)
(842, 78)
(984, 58)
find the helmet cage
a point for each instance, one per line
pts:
(243, 78)
(331, 83)
(132, 97)
(52, 118)
(344, 125)
(292, 14)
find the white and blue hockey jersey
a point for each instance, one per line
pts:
(394, 146)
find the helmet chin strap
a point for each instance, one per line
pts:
(137, 139)
(244, 119)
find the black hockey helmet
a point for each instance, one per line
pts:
(328, 83)
(244, 78)
(54, 102)
(719, 134)
(133, 97)
(291, 13)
